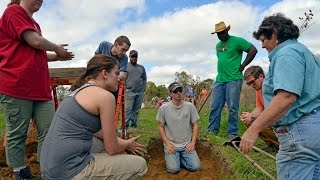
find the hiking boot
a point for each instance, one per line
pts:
(23, 174)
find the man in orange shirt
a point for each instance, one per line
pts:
(254, 77)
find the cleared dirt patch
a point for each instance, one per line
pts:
(212, 165)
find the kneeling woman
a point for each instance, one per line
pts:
(82, 142)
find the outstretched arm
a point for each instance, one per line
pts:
(278, 106)
(38, 42)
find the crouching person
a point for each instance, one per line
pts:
(178, 127)
(82, 142)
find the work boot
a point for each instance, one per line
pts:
(23, 174)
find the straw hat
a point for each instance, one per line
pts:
(221, 26)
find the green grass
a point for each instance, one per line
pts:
(238, 164)
(2, 124)
(242, 168)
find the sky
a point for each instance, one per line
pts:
(170, 35)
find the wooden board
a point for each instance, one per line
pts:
(66, 73)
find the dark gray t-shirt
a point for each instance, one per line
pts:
(178, 122)
(66, 148)
(136, 79)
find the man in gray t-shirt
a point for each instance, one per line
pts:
(178, 127)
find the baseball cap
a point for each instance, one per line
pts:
(133, 52)
(174, 86)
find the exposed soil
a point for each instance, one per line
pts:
(213, 167)
(30, 157)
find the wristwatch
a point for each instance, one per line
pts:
(253, 117)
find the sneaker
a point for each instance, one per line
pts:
(23, 174)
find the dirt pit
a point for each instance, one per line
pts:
(213, 166)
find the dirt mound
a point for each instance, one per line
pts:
(211, 166)
(30, 157)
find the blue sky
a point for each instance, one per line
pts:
(170, 35)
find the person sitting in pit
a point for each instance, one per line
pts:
(178, 127)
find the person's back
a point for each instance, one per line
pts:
(82, 141)
(69, 140)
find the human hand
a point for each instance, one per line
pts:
(62, 53)
(246, 118)
(247, 141)
(136, 148)
(170, 148)
(190, 147)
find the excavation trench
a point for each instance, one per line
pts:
(213, 166)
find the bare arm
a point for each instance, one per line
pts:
(191, 146)
(246, 117)
(250, 56)
(165, 139)
(38, 42)
(123, 75)
(278, 106)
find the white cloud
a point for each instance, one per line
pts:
(174, 42)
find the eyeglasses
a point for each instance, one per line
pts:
(249, 83)
(177, 90)
(134, 56)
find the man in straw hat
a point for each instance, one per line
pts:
(227, 86)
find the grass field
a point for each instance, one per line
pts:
(242, 168)
(237, 163)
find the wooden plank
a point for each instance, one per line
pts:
(66, 73)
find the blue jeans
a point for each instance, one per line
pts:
(299, 151)
(174, 161)
(225, 92)
(133, 102)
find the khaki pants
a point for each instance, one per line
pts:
(104, 166)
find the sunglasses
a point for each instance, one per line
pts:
(249, 83)
(134, 56)
(177, 90)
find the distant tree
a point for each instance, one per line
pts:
(207, 82)
(61, 92)
(183, 78)
(153, 90)
(162, 91)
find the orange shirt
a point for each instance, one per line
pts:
(203, 94)
(259, 99)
